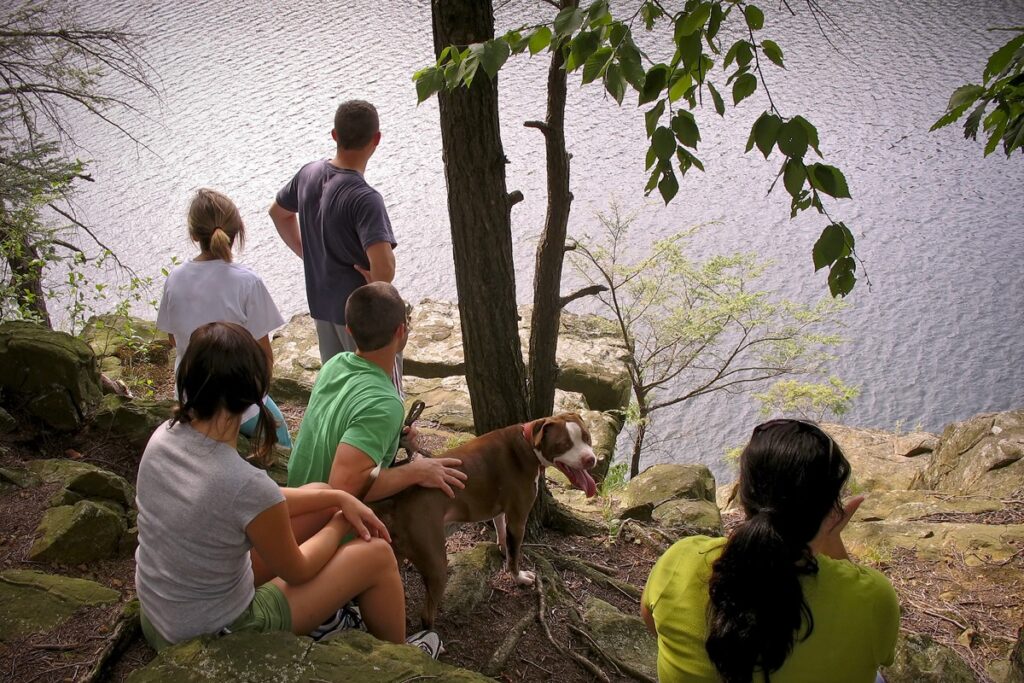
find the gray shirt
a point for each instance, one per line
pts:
(195, 498)
(340, 215)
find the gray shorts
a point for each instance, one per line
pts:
(334, 339)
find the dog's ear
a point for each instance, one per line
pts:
(538, 431)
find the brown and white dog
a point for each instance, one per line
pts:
(503, 469)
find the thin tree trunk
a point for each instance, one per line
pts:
(547, 282)
(26, 278)
(479, 208)
(638, 444)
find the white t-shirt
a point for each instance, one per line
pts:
(200, 292)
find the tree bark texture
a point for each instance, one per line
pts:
(480, 212)
(24, 275)
(547, 281)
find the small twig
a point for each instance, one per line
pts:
(580, 659)
(419, 678)
(533, 663)
(53, 646)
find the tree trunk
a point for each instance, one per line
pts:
(638, 443)
(480, 211)
(26, 278)
(547, 282)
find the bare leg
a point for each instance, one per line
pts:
(499, 528)
(366, 570)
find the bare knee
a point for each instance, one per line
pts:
(381, 554)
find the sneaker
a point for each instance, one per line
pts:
(348, 617)
(428, 641)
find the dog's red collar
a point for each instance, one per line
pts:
(528, 433)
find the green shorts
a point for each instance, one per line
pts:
(268, 611)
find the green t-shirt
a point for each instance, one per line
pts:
(353, 402)
(856, 619)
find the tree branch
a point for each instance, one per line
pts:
(580, 293)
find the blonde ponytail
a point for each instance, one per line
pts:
(214, 222)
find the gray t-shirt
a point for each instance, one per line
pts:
(340, 215)
(195, 498)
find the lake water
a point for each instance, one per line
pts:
(249, 91)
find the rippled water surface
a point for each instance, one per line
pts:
(249, 91)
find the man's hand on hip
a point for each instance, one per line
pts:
(439, 473)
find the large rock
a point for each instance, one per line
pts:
(877, 458)
(71, 534)
(7, 422)
(622, 636)
(979, 543)
(88, 481)
(285, 658)
(34, 602)
(590, 356)
(702, 514)
(661, 483)
(982, 455)
(51, 374)
(919, 659)
(113, 335)
(921, 505)
(17, 478)
(469, 572)
(131, 419)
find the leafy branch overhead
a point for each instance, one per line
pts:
(1003, 88)
(602, 48)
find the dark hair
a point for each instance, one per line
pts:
(372, 313)
(791, 477)
(355, 123)
(225, 369)
(214, 222)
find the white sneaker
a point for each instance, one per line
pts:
(428, 641)
(348, 617)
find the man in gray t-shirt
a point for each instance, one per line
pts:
(339, 226)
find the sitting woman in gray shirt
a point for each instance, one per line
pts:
(204, 513)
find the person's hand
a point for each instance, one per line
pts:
(828, 541)
(440, 473)
(363, 520)
(364, 272)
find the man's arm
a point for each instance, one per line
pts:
(382, 263)
(287, 224)
(352, 468)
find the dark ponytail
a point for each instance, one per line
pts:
(225, 369)
(791, 476)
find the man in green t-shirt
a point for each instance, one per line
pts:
(354, 417)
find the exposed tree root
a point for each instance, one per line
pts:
(580, 659)
(500, 657)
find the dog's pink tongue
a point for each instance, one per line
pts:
(581, 479)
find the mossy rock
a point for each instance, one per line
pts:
(17, 478)
(468, 574)
(51, 374)
(701, 514)
(34, 602)
(124, 336)
(82, 480)
(919, 659)
(83, 532)
(623, 636)
(7, 422)
(131, 419)
(661, 483)
(285, 658)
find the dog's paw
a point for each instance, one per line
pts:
(525, 578)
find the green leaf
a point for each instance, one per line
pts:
(652, 158)
(685, 128)
(693, 21)
(717, 98)
(567, 21)
(689, 49)
(964, 96)
(540, 39)
(669, 186)
(598, 14)
(681, 82)
(811, 131)
(493, 56)
(429, 81)
(764, 133)
(652, 116)
(744, 53)
(686, 160)
(1001, 58)
(995, 126)
(581, 47)
(615, 82)
(973, 122)
(833, 244)
(654, 83)
(632, 69)
(663, 142)
(792, 139)
(596, 64)
(744, 86)
(828, 179)
(715, 21)
(773, 52)
(754, 17)
(793, 177)
(650, 13)
(841, 278)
